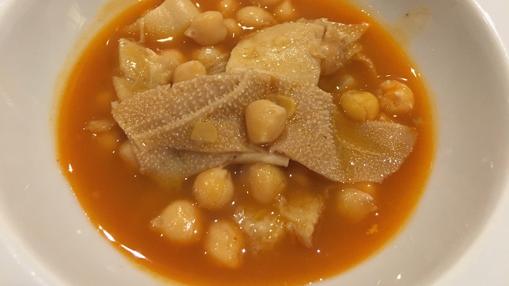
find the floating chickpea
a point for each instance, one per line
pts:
(285, 11)
(188, 70)
(265, 121)
(396, 98)
(213, 189)
(360, 105)
(354, 205)
(224, 243)
(214, 59)
(179, 222)
(265, 182)
(256, 17)
(172, 57)
(228, 7)
(207, 28)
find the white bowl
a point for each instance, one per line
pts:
(47, 240)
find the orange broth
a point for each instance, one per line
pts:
(120, 202)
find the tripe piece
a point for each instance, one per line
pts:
(284, 49)
(160, 123)
(169, 19)
(142, 68)
(298, 51)
(263, 227)
(301, 211)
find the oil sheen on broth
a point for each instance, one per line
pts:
(125, 204)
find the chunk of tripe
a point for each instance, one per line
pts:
(142, 68)
(169, 19)
(301, 211)
(284, 49)
(160, 123)
(263, 227)
(298, 51)
(224, 243)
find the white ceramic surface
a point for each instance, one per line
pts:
(458, 235)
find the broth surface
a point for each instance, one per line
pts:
(120, 202)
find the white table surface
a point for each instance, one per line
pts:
(485, 263)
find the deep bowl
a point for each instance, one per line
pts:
(50, 241)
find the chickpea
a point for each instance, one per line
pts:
(228, 7)
(285, 11)
(265, 182)
(396, 98)
(233, 27)
(225, 244)
(126, 153)
(213, 189)
(179, 222)
(207, 28)
(210, 57)
(255, 17)
(188, 70)
(173, 57)
(265, 121)
(360, 105)
(354, 205)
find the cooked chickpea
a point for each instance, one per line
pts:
(285, 11)
(126, 153)
(265, 121)
(265, 182)
(228, 7)
(173, 57)
(188, 70)
(233, 27)
(360, 105)
(396, 98)
(256, 17)
(354, 205)
(213, 189)
(207, 28)
(225, 244)
(210, 57)
(179, 222)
